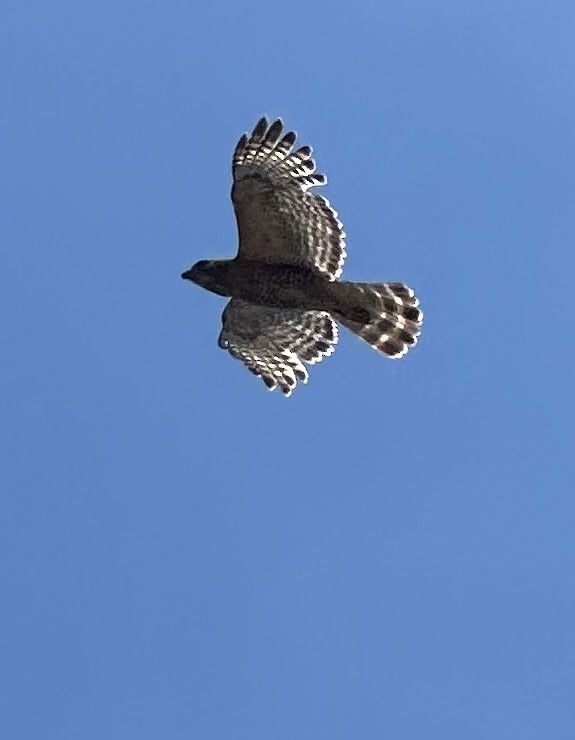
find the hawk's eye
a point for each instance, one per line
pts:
(206, 266)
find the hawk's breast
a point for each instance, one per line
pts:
(287, 286)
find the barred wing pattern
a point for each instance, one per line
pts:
(273, 343)
(279, 220)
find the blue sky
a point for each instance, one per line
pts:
(390, 552)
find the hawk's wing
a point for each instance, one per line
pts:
(278, 219)
(275, 342)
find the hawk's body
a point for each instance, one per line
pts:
(288, 286)
(283, 283)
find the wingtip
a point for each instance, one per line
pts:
(260, 128)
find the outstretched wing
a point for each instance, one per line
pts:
(279, 220)
(274, 343)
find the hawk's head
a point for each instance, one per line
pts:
(210, 274)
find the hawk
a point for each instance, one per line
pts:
(284, 282)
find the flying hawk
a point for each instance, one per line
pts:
(284, 282)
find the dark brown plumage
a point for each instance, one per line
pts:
(284, 281)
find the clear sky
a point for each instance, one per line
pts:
(390, 553)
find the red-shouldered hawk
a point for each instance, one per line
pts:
(284, 281)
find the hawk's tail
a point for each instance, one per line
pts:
(385, 315)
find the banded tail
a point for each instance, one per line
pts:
(385, 315)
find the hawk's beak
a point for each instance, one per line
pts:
(187, 275)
